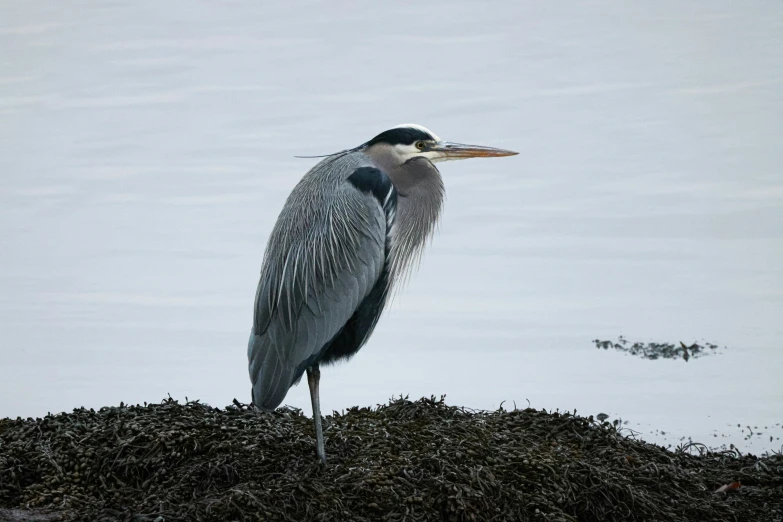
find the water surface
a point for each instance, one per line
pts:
(147, 147)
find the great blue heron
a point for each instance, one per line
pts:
(348, 232)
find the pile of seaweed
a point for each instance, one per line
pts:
(406, 460)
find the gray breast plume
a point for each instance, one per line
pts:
(420, 194)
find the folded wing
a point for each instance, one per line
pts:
(325, 256)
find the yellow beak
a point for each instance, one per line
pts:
(461, 151)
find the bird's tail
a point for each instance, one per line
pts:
(270, 376)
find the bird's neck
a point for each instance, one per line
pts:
(420, 194)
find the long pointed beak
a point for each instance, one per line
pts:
(461, 151)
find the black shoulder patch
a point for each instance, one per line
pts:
(400, 136)
(372, 180)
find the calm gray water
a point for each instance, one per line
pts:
(147, 147)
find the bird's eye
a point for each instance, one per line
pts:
(420, 145)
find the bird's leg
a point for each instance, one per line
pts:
(313, 376)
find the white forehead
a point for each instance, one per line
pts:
(418, 127)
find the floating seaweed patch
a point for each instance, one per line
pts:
(654, 350)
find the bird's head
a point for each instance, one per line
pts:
(403, 143)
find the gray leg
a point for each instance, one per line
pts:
(313, 376)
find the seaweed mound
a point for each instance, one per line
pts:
(407, 460)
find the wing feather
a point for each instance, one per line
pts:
(324, 256)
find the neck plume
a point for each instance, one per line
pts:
(420, 195)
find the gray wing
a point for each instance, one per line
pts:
(324, 256)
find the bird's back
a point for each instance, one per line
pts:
(322, 283)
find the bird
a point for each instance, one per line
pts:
(347, 234)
